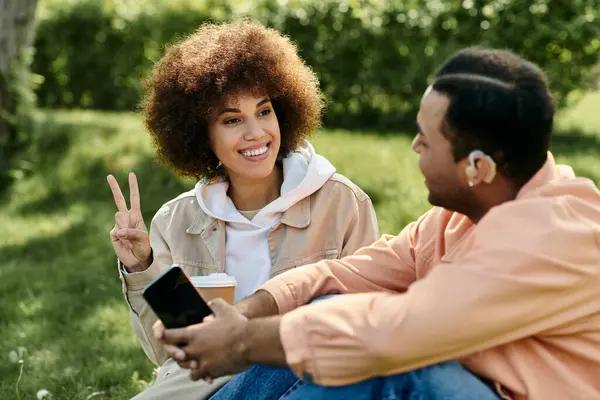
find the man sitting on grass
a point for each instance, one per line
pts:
(493, 293)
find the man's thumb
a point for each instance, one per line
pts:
(220, 306)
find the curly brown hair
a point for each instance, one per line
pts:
(197, 75)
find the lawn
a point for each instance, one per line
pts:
(62, 310)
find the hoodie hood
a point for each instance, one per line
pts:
(304, 172)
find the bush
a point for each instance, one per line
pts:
(20, 86)
(373, 58)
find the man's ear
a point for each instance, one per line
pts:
(472, 170)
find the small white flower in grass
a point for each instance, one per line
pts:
(69, 372)
(14, 356)
(43, 394)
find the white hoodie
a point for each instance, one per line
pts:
(247, 255)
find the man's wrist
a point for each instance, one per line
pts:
(260, 304)
(261, 342)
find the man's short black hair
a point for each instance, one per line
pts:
(500, 104)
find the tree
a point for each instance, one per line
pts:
(17, 20)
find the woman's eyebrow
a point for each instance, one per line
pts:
(263, 101)
(237, 110)
(226, 110)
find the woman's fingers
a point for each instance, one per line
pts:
(132, 234)
(122, 219)
(117, 194)
(134, 193)
(113, 234)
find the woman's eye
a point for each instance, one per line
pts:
(264, 112)
(230, 121)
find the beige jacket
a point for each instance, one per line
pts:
(331, 223)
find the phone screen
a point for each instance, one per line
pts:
(175, 301)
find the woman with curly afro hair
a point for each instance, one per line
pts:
(232, 106)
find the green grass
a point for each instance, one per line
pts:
(60, 293)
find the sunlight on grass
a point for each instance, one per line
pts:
(106, 323)
(584, 115)
(61, 295)
(31, 308)
(383, 166)
(46, 357)
(19, 229)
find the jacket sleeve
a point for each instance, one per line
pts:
(515, 283)
(387, 265)
(142, 316)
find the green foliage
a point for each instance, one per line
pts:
(373, 57)
(61, 295)
(18, 117)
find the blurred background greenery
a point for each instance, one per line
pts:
(62, 311)
(373, 58)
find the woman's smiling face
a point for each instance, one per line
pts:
(245, 136)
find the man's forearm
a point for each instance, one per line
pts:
(260, 304)
(262, 342)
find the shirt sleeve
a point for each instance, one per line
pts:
(386, 265)
(517, 281)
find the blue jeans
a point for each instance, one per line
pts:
(445, 381)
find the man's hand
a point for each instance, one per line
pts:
(260, 304)
(213, 348)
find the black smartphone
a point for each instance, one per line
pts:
(174, 299)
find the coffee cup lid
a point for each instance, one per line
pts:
(213, 280)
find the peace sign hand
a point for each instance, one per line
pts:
(129, 236)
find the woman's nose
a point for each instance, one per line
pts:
(254, 130)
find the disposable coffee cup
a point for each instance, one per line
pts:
(215, 285)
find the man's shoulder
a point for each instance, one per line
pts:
(557, 201)
(547, 222)
(440, 218)
(441, 224)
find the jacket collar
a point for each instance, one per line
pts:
(297, 216)
(200, 223)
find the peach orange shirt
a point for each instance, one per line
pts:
(515, 298)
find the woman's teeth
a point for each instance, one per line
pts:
(255, 152)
